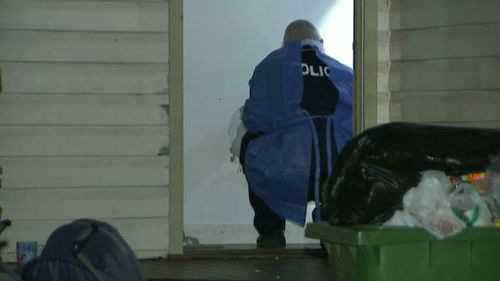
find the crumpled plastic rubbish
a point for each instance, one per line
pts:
(442, 207)
(376, 168)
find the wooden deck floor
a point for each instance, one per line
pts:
(241, 262)
(235, 262)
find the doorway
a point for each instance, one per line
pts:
(223, 42)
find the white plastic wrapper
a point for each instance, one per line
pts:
(469, 206)
(429, 205)
(235, 132)
(403, 218)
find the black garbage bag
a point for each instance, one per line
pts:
(85, 250)
(377, 167)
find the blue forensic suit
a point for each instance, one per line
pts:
(282, 160)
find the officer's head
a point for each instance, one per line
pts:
(301, 30)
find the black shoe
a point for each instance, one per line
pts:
(276, 240)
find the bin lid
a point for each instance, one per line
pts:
(359, 235)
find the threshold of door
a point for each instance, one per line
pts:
(247, 251)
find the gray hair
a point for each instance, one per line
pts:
(301, 30)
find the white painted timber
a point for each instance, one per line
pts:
(383, 46)
(82, 140)
(383, 53)
(409, 14)
(383, 15)
(84, 15)
(145, 235)
(445, 60)
(452, 106)
(83, 109)
(452, 74)
(67, 172)
(383, 108)
(119, 202)
(65, 46)
(446, 42)
(84, 118)
(383, 76)
(70, 78)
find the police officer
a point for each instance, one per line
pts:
(298, 116)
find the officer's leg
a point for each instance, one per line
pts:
(268, 224)
(265, 220)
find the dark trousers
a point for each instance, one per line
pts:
(265, 220)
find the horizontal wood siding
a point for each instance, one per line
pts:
(84, 78)
(63, 109)
(87, 47)
(95, 16)
(449, 106)
(84, 118)
(101, 171)
(445, 60)
(82, 140)
(446, 42)
(93, 202)
(408, 14)
(446, 74)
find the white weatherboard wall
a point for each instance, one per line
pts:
(83, 120)
(445, 62)
(223, 41)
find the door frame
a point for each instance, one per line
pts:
(176, 129)
(365, 64)
(365, 99)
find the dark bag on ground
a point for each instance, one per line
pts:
(377, 167)
(85, 250)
